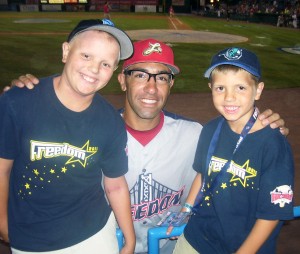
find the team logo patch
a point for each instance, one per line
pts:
(233, 54)
(153, 48)
(282, 195)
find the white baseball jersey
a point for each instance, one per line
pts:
(160, 174)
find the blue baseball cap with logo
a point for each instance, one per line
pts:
(239, 57)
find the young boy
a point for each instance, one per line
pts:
(58, 143)
(243, 187)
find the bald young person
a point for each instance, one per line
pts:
(58, 143)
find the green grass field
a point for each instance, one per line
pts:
(36, 47)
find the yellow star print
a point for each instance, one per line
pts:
(224, 186)
(248, 173)
(88, 149)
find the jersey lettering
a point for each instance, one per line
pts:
(150, 198)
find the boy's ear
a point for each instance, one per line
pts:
(65, 51)
(259, 89)
(121, 79)
(209, 85)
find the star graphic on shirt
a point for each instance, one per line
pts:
(248, 173)
(224, 186)
(89, 151)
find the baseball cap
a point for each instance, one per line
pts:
(106, 26)
(239, 57)
(151, 50)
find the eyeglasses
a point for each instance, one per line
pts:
(139, 76)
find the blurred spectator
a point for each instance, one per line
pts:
(280, 20)
(294, 20)
(106, 10)
(171, 12)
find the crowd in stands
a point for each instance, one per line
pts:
(288, 11)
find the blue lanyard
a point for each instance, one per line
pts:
(211, 150)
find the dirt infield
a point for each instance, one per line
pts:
(186, 36)
(180, 32)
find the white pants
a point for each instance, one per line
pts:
(183, 247)
(104, 241)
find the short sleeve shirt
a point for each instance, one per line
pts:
(56, 198)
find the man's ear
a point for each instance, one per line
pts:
(259, 89)
(65, 51)
(172, 83)
(121, 79)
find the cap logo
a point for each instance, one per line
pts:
(233, 54)
(107, 22)
(152, 48)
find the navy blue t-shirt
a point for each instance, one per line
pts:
(257, 185)
(56, 199)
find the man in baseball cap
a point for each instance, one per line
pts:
(161, 145)
(147, 77)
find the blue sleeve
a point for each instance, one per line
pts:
(277, 180)
(8, 132)
(115, 162)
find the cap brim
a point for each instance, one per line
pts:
(245, 67)
(123, 39)
(173, 68)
